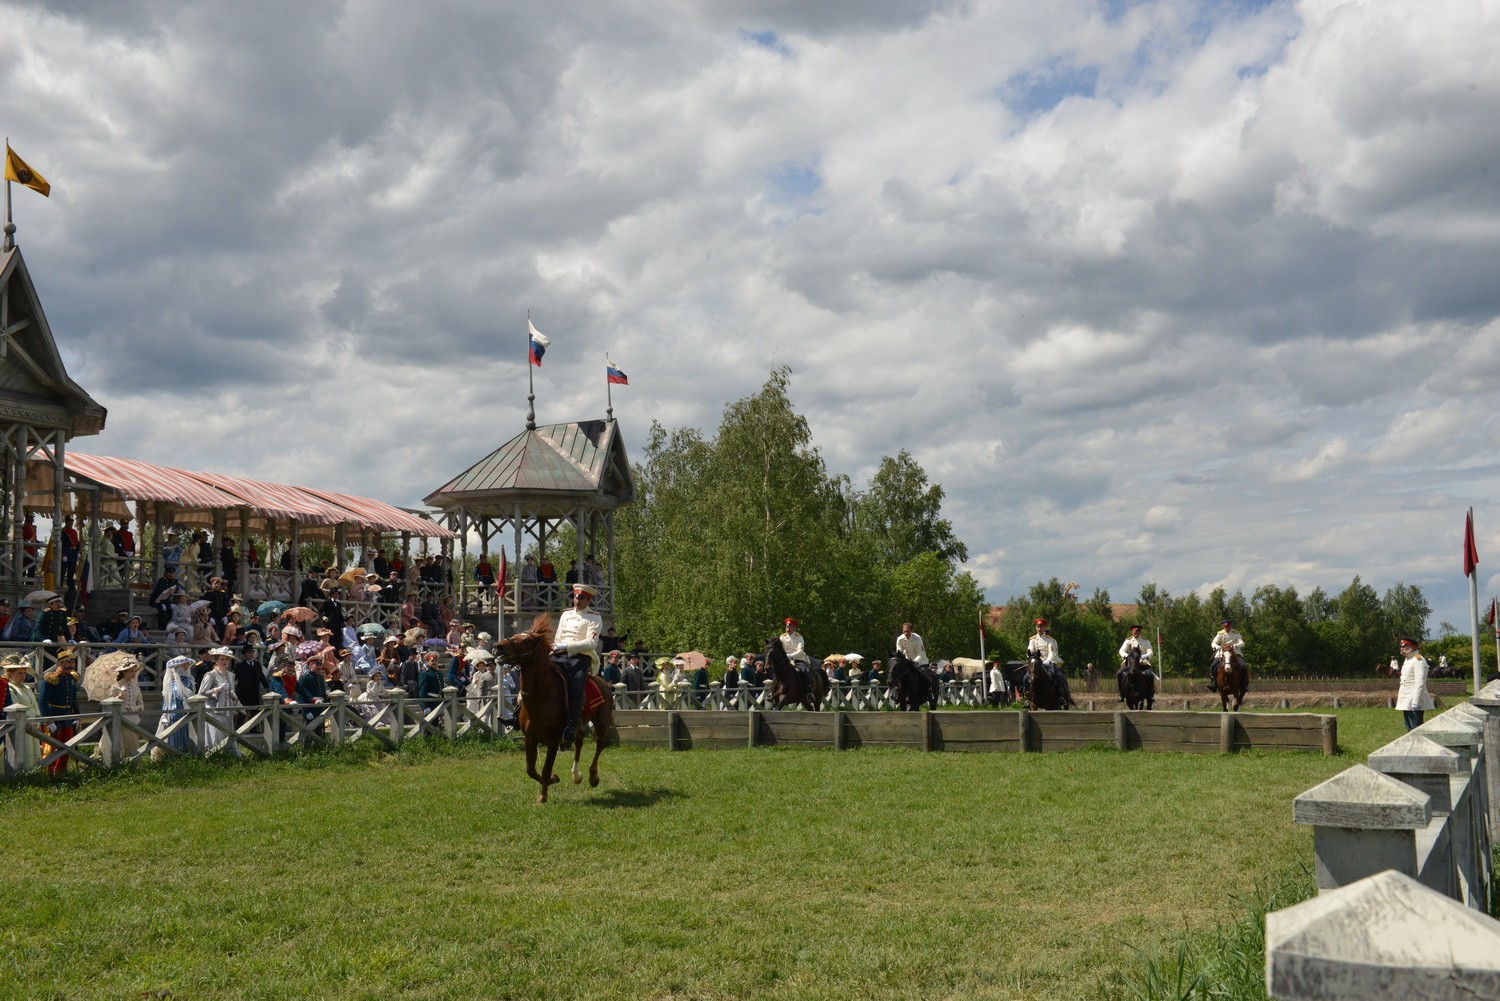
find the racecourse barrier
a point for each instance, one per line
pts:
(1019, 731)
(1404, 847)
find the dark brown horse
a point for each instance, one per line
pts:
(1138, 687)
(544, 705)
(912, 685)
(1044, 689)
(790, 686)
(1232, 678)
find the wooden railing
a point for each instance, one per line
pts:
(1404, 847)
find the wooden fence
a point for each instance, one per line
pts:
(1019, 731)
(1404, 847)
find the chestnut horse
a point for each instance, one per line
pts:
(544, 705)
(790, 685)
(1232, 678)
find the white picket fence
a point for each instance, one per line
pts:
(1405, 849)
(113, 737)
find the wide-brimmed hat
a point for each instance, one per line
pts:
(177, 662)
(221, 651)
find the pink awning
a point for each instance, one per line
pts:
(275, 500)
(377, 514)
(135, 480)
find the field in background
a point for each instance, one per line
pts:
(767, 872)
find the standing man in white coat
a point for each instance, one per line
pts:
(1413, 699)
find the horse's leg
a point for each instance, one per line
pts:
(601, 735)
(578, 754)
(547, 769)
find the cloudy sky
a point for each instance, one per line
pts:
(1192, 292)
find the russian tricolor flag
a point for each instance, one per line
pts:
(613, 374)
(539, 344)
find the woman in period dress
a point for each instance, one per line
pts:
(176, 686)
(481, 682)
(218, 687)
(18, 693)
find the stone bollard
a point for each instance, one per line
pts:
(1363, 822)
(1422, 764)
(1458, 730)
(1488, 702)
(1386, 936)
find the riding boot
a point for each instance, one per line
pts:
(577, 671)
(1120, 681)
(1213, 686)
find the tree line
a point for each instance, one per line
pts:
(1286, 633)
(731, 534)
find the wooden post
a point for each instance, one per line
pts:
(1329, 726)
(198, 724)
(398, 715)
(270, 723)
(1023, 729)
(114, 725)
(450, 712)
(927, 740)
(838, 731)
(671, 729)
(338, 700)
(13, 738)
(1226, 732)
(752, 737)
(1122, 742)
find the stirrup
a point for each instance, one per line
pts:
(569, 735)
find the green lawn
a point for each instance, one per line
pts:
(704, 874)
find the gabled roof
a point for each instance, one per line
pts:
(34, 385)
(584, 458)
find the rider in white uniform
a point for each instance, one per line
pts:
(1044, 644)
(575, 648)
(909, 645)
(1135, 641)
(1226, 639)
(795, 646)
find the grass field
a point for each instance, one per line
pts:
(710, 874)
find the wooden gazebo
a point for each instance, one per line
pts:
(41, 410)
(543, 480)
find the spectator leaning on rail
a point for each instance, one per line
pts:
(53, 624)
(575, 648)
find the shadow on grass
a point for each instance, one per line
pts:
(631, 799)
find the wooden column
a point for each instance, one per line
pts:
(244, 553)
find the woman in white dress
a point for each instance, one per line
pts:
(218, 687)
(20, 694)
(127, 688)
(481, 682)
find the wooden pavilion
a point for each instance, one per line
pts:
(545, 480)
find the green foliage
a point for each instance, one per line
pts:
(730, 535)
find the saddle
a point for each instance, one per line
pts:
(593, 689)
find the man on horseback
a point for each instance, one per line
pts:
(1045, 646)
(796, 648)
(911, 646)
(575, 649)
(1134, 642)
(1226, 643)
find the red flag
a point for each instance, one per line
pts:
(1489, 617)
(1471, 554)
(502, 572)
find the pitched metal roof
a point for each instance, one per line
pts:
(582, 457)
(34, 384)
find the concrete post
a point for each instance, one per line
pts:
(1422, 764)
(1386, 936)
(1488, 700)
(1363, 822)
(450, 712)
(198, 724)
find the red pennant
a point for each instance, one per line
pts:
(1471, 553)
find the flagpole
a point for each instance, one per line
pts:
(10, 226)
(1495, 621)
(1473, 600)
(530, 380)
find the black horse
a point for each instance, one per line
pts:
(1047, 688)
(911, 684)
(1137, 685)
(791, 685)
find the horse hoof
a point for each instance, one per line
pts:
(593, 780)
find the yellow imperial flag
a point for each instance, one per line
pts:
(16, 170)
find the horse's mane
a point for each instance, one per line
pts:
(541, 628)
(776, 658)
